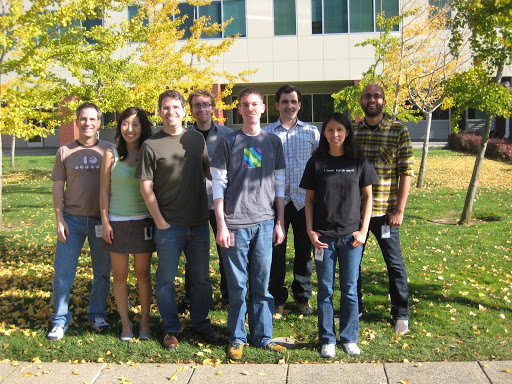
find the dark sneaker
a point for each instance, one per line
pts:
(57, 332)
(100, 324)
(274, 347)
(278, 312)
(235, 351)
(305, 308)
(170, 341)
(209, 335)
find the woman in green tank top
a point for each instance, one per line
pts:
(127, 227)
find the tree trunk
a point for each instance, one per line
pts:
(473, 184)
(13, 150)
(423, 165)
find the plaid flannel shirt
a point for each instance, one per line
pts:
(389, 149)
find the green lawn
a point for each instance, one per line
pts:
(460, 280)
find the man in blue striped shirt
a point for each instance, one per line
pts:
(299, 140)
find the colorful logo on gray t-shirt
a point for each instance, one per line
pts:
(252, 157)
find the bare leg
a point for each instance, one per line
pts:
(120, 272)
(142, 272)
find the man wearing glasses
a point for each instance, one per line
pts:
(387, 145)
(202, 106)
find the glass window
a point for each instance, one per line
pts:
(285, 20)
(475, 114)
(323, 105)
(214, 12)
(316, 16)
(390, 8)
(218, 11)
(306, 110)
(332, 16)
(441, 114)
(188, 11)
(335, 16)
(132, 12)
(361, 16)
(235, 9)
(89, 23)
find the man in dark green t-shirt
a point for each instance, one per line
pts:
(172, 166)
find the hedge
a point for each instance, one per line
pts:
(497, 149)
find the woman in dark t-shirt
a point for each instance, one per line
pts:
(338, 182)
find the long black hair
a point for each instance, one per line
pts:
(145, 129)
(350, 148)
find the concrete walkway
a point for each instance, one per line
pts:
(475, 372)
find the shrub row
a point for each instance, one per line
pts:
(497, 149)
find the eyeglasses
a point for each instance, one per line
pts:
(199, 106)
(376, 96)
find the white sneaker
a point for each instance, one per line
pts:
(401, 326)
(352, 349)
(57, 332)
(100, 324)
(328, 351)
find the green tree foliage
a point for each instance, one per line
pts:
(490, 24)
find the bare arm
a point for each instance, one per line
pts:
(106, 167)
(58, 204)
(308, 210)
(404, 185)
(222, 230)
(366, 212)
(146, 189)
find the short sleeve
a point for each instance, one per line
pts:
(220, 155)
(308, 178)
(59, 170)
(368, 174)
(146, 165)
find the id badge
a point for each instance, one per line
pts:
(98, 229)
(385, 231)
(231, 239)
(148, 233)
(319, 254)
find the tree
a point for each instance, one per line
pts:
(430, 64)
(36, 38)
(490, 25)
(388, 71)
(179, 58)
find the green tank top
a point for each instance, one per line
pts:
(125, 197)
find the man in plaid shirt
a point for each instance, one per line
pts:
(387, 145)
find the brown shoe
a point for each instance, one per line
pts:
(278, 312)
(304, 308)
(170, 341)
(235, 351)
(274, 347)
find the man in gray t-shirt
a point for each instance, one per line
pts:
(248, 170)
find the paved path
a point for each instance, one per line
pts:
(474, 372)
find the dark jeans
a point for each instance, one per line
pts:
(302, 266)
(397, 273)
(223, 285)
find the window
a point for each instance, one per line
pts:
(343, 16)
(219, 11)
(475, 114)
(285, 19)
(89, 23)
(315, 108)
(441, 114)
(132, 12)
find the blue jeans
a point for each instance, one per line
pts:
(195, 243)
(302, 264)
(66, 262)
(339, 250)
(397, 273)
(250, 257)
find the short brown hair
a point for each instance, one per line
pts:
(250, 91)
(201, 92)
(171, 93)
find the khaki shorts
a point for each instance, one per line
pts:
(132, 237)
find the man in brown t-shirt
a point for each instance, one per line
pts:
(171, 168)
(76, 184)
